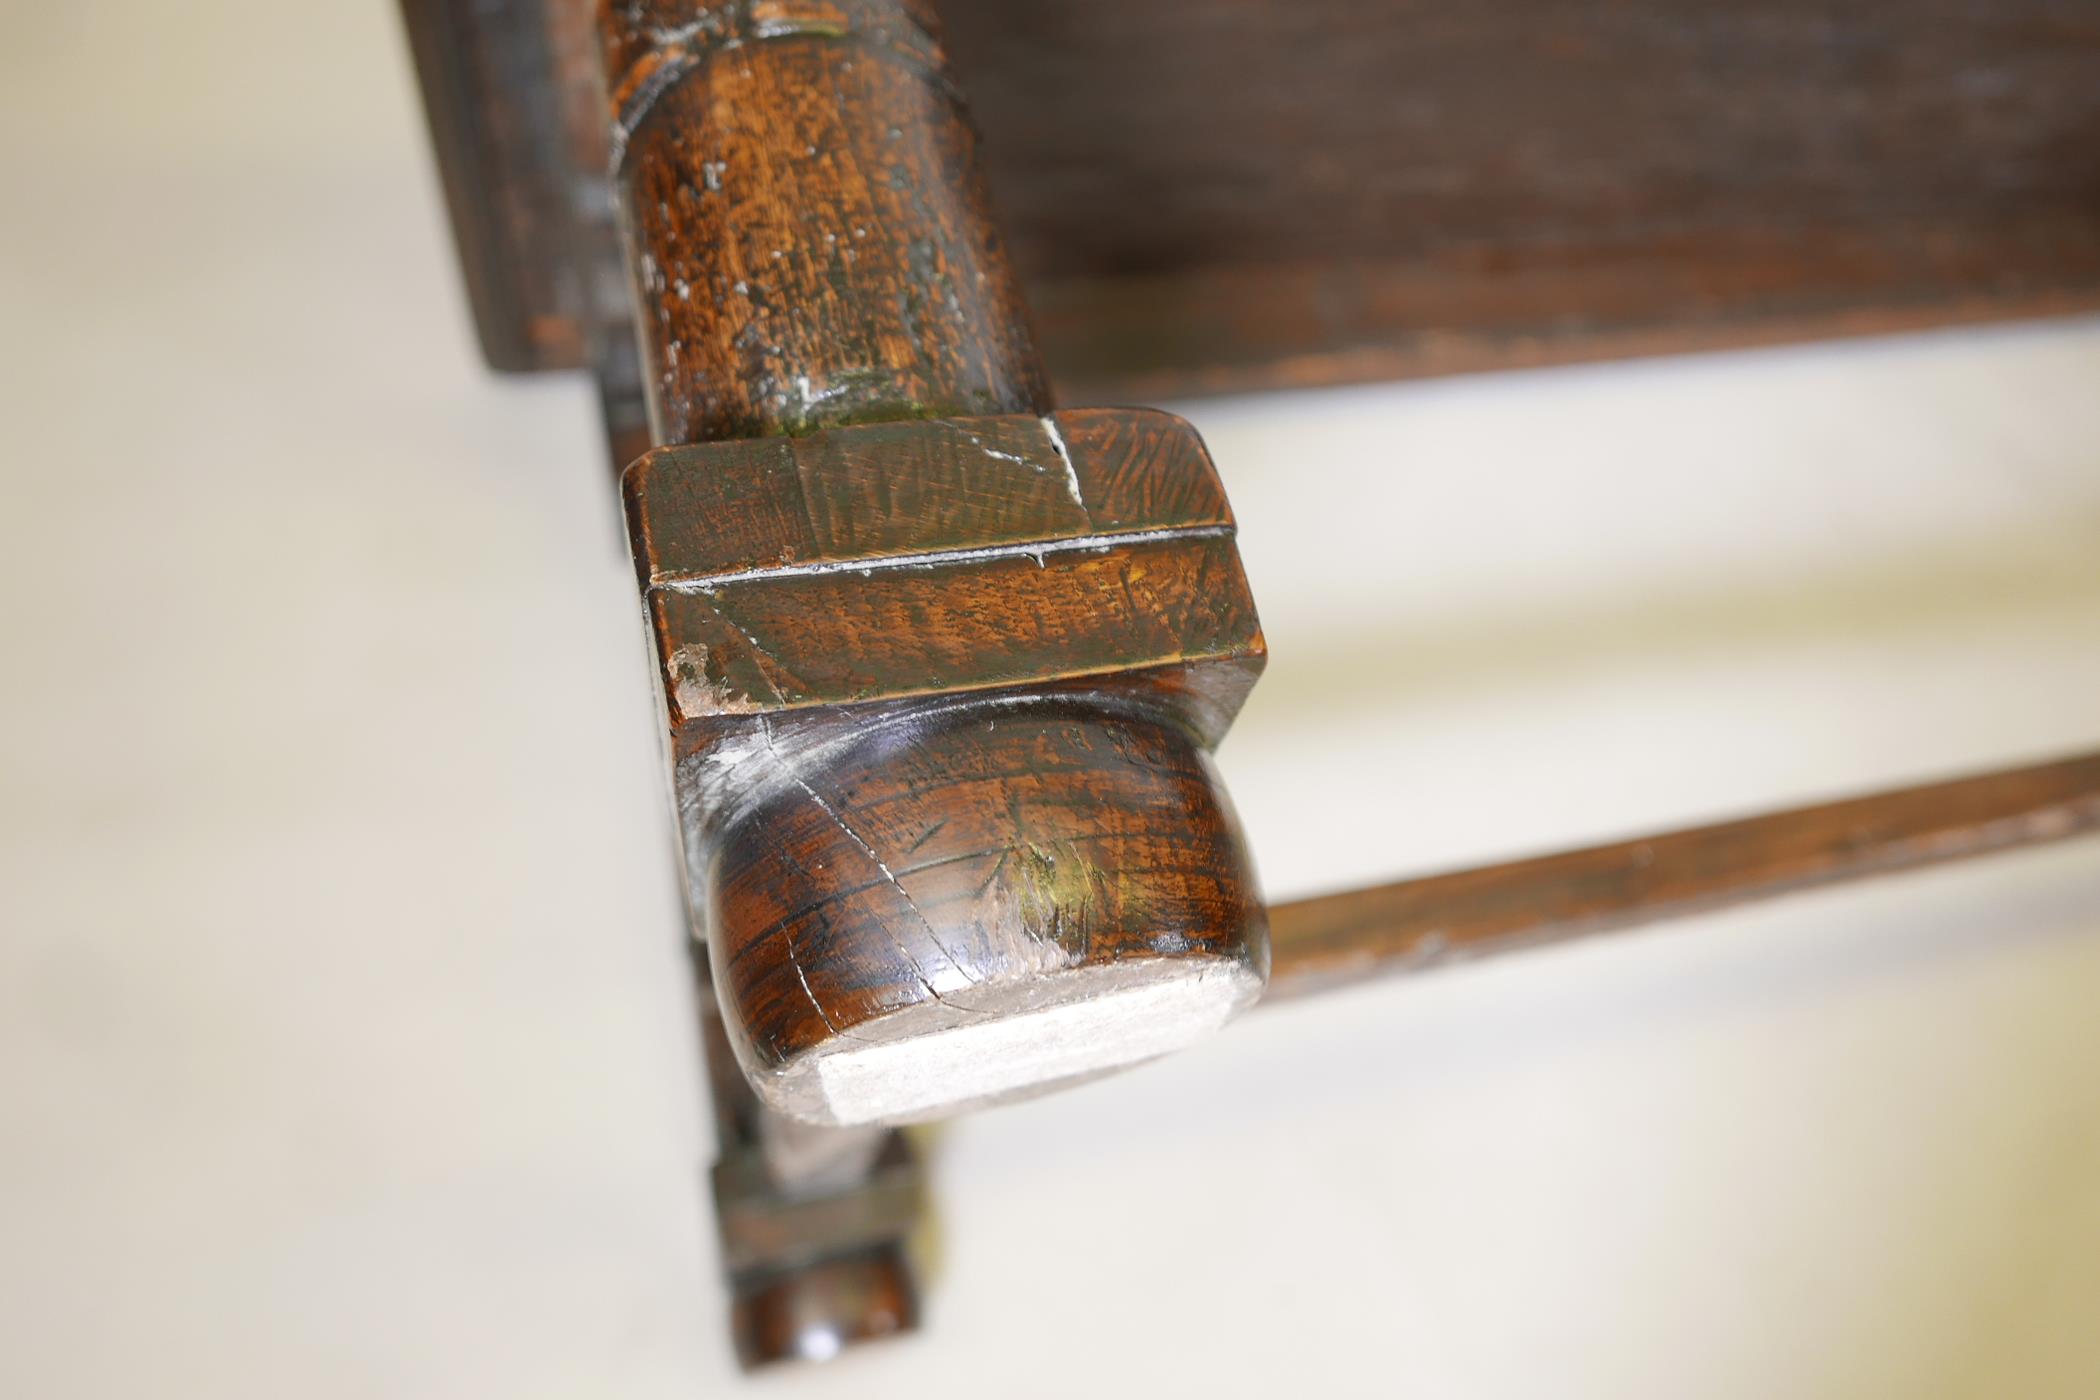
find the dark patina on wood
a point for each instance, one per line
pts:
(1415, 925)
(944, 870)
(799, 182)
(816, 1223)
(938, 694)
(888, 560)
(1207, 195)
(894, 489)
(939, 667)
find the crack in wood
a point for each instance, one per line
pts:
(855, 837)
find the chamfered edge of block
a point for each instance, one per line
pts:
(1086, 550)
(773, 642)
(883, 490)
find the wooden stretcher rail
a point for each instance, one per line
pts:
(1432, 922)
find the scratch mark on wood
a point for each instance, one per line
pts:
(930, 558)
(1064, 455)
(856, 838)
(762, 654)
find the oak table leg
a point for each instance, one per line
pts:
(816, 1224)
(939, 667)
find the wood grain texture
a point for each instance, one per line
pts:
(814, 1223)
(1207, 195)
(801, 186)
(1056, 839)
(881, 490)
(845, 638)
(884, 560)
(922, 636)
(1416, 925)
(941, 871)
(788, 1194)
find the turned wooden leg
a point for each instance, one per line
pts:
(939, 667)
(816, 1223)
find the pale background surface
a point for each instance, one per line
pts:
(343, 1040)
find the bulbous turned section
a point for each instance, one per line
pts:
(956, 904)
